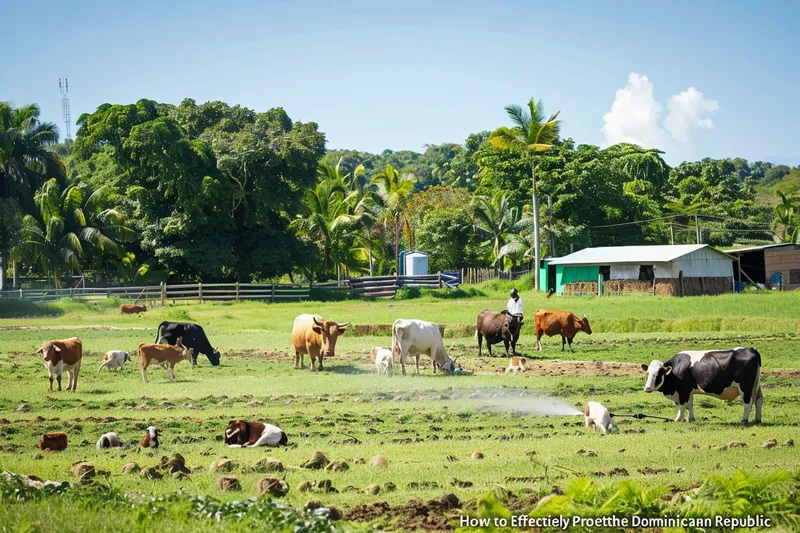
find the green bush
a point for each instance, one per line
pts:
(408, 293)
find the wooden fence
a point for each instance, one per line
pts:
(479, 275)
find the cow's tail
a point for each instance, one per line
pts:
(395, 345)
(158, 332)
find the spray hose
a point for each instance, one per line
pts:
(641, 415)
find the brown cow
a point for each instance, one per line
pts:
(561, 323)
(129, 309)
(63, 356)
(161, 354)
(313, 335)
(245, 433)
(150, 439)
(497, 327)
(53, 442)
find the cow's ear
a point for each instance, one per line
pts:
(667, 370)
(341, 330)
(317, 330)
(644, 367)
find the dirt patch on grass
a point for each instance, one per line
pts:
(557, 367)
(434, 515)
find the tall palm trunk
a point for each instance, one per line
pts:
(535, 228)
(397, 242)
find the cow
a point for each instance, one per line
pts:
(549, 293)
(516, 364)
(595, 415)
(131, 309)
(246, 434)
(161, 354)
(497, 327)
(53, 442)
(114, 359)
(108, 440)
(723, 374)
(194, 338)
(315, 336)
(384, 360)
(150, 439)
(413, 337)
(561, 323)
(63, 356)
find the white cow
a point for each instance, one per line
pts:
(413, 337)
(114, 359)
(597, 416)
(384, 360)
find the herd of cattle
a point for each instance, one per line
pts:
(723, 374)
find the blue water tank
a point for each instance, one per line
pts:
(416, 264)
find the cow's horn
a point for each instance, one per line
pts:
(234, 432)
(345, 324)
(318, 323)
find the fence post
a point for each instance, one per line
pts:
(163, 294)
(272, 293)
(20, 293)
(108, 292)
(440, 279)
(680, 282)
(200, 291)
(237, 291)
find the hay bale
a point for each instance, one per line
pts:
(222, 465)
(379, 461)
(771, 443)
(84, 471)
(269, 464)
(477, 455)
(372, 489)
(227, 483)
(272, 486)
(788, 442)
(175, 464)
(318, 461)
(737, 444)
(127, 468)
(339, 465)
(150, 472)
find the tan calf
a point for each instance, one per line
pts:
(161, 354)
(130, 309)
(63, 356)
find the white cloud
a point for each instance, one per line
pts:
(635, 115)
(687, 109)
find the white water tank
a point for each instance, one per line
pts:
(416, 264)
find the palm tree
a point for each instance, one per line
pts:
(531, 133)
(396, 188)
(494, 217)
(786, 217)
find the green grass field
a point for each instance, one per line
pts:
(426, 426)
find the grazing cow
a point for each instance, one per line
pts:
(114, 359)
(549, 293)
(561, 323)
(53, 442)
(161, 354)
(131, 309)
(193, 336)
(246, 434)
(497, 327)
(150, 439)
(597, 416)
(313, 335)
(413, 337)
(723, 374)
(109, 440)
(384, 360)
(63, 356)
(516, 364)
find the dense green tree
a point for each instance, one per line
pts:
(395, 190)
(494, 217)
(787, 221)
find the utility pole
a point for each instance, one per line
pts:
(550, 226)
(697, 228)
(397, 242)
(672, 234)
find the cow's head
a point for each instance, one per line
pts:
(237, 432)
(154, 432)
(656, 374)
(449, 364)
(127, 357)
(374, 352)
(585, 327)
(48, 351)
(214, 357)
(506, 328)
(329, 332)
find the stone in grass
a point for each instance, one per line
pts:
(771, 443)
(338, 465)
(272, 486)
(269, 464)
(305, 486)
(788, 442)
(174, 465)
(737, 444)
(359, 460)
(150, 472)
(318, 461)
(326, 486)
(389, 486)
(477, 455)
(222, 465)
(130, 467)
(372, 489)
(379, 461)
(227, 483)
(84, 471)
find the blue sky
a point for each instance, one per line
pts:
(697, 79)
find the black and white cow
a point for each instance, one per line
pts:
(723, 374)
(191, 335)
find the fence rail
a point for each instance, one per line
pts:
(479, 275)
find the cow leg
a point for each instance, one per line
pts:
(58, 378)
(75, 379)
(681, 412)
(759, 404)
(563, 342)
(50, 375)
(489, 348)
(144, 370)
(171, 373)
(320, 362)
(506, 343)
(691, 408)
(194, 357)
(569, 341)
(297, 359)
(480, 342)
(416, 361)
(539, 340)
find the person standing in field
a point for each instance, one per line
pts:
(514, 305)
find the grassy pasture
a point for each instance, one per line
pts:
(426, 426)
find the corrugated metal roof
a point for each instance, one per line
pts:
(630, 254)
(758, 248)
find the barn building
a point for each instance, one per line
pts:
(685, 269)
(774, 266)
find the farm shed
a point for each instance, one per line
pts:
(669, 269)
(775, 266)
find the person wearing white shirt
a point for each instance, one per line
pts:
(514, 305)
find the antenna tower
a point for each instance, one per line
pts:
(63, 86)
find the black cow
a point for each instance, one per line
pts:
(723, 374)
(497, 327)
(193, 337)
